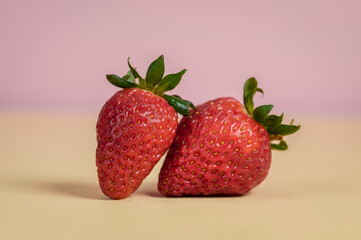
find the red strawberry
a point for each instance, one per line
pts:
(223, 147)
(135, 128)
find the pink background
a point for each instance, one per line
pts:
(306, 55)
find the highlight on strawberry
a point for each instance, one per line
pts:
(136, 126)
(223, 147)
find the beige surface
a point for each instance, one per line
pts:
(48, 188)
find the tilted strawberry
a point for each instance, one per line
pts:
(223, 148)
(135, 128)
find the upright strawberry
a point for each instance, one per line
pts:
(135, 128)
(223, 147)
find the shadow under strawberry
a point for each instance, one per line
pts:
(74, 189)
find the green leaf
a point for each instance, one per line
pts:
(259, 90)
(272, 121)
(155, 72)
(261, 112)
(136, 75)
(248, 104)
(179, 105)
(129, 77)
(284, 130)
(249, 89)
(281, 146)
(120, 82)
(169, 82)
(249, 86)
(189, 103)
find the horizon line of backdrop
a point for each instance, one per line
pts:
(306, 55)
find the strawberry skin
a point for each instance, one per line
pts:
(134, 129)
(218, 149)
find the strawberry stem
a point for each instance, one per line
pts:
(272, 123)
(155, 82)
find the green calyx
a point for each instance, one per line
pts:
(155, 82)
(272, 123)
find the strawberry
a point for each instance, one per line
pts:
(135, 128)
(223, 147)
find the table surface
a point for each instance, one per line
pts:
(49, 188)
